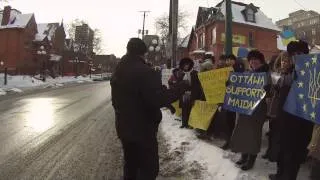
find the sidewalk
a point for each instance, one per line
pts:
(216, 163)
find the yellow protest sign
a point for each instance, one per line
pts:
(214, 84)
(178, 110)
(201, 114)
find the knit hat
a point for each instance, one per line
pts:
(257, 55)
(136, 46)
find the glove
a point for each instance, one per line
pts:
(227, 83)
(267, 87)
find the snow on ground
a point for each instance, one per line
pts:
(2, 92)
(216, 163)
(19, 83)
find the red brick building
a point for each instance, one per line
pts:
(21, 38)
(17, 32)
(251, 28)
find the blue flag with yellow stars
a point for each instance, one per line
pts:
(304, 97)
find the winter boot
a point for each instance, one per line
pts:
(250, 163)
(244, 158)
(226, 146)
(274, 176)
(315, 170)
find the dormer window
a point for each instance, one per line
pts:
(250, 15)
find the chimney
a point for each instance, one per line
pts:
(6, 16)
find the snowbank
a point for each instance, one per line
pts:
(2, 92)
(217, 164)
(17, 84)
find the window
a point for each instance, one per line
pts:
(201, 41)
(313, 32)
(214, 35)
(313, 41)
(250, 39)
(250, 15)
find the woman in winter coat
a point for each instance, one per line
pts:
(293, 133)
(282, 79)
(247, 135)
(194, 92)
(314, 153)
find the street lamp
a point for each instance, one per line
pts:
(76, 50)
(5, 72)
(100, 67)
(90, 68)
(42, 54)
(154, 48)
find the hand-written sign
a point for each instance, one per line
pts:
(214, 84)
(304, 96)
(244, 92)
(201, 114)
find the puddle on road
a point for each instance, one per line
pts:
(40, 114)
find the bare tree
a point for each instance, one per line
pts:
(97, 39)
(71, 27)
(162, 25)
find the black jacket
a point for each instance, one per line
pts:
(137, 96)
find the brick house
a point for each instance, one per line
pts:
(17, 32)
(52, 36)
(251, 28)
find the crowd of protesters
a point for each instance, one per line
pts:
(137, 96)
(289, 136)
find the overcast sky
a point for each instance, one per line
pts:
(119, 20)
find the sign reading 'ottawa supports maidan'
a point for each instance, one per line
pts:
(245, 92)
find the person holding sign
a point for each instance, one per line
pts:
(194, 92)
(295, 132)
(281, 80)
(247, 135)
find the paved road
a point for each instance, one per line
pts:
(65, 133)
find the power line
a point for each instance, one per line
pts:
(144, 21)
(300, 4)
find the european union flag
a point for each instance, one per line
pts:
(304, 97)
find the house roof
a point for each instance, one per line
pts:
(205, 14)
(46, 30)
(237, 8)
(16, 20)
(185, 41)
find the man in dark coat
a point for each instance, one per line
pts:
(137, 96)
(295, 132)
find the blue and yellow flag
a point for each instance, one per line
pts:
(304, 97)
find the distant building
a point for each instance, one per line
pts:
(84, 37)
(104, 63)
(306, 25)
(52, 36)
(251, 29)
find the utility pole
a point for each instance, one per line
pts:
(144, 21)
(174, 8)
(228, 24)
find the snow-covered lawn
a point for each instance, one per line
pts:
(217, 164)
(18, 84)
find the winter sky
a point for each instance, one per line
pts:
(119, 20)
